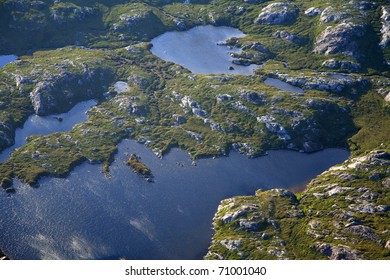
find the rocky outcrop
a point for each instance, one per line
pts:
(288, 36)
(59, 92)
(330, 82)
(331, 14)
(278, 13)
(385, 30)
(342, 65)
(322, 223)
(341, 38)
(312, 12)
(7, 132)
(63, 13)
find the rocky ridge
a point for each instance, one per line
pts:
(343, 214)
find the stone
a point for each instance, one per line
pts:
(339, 252)
(179, 119)
(288, 36)
(314, 224)
(364, 232)
(342, 65)
(331, 14)
(278, 14)
(385, 30)
(386, 182)
(312, 12)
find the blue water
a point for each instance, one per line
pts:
(5, 59)
(283, 85)
(37, 125)
(197, 50)
(89, 216)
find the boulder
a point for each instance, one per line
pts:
(288, 36)
(340, 252)
(312, 12)
(278, 14)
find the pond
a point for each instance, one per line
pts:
(5, 59)
(38, 125)
(199, 50)
(89, 216)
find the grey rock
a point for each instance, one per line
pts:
(339, 252)
(312, 12)
(180, 24)
(364, 232)
(253, 97)
(265, 236)
(368, 208)
(387, 246)
(386, 182)
(342, 65)
(232, 245)
(278, 13)
(331, 14)
(314, 224)
(288, 36)
(69, 13)
(231, 216)
(179, 119)
(340, 38)
(385, 30)
(199, 112)
(224, 97)
(138, 81)
(256, 46)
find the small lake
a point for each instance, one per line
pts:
(5, 59)
(197, 50)
(89, 216)
(37, 125)
(283, 85)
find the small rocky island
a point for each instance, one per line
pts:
(139, 168)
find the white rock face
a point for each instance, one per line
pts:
(278, 13)
(385, 30)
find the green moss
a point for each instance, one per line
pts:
(138, 166)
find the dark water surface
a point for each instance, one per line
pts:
(89, 216)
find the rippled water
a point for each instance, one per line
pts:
(197, 50)
(89, 216)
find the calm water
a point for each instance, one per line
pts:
(197, 50)
(88, 216)
(283, 85)
(37, 125)
(5, 59)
